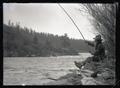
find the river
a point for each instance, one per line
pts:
(38, 70)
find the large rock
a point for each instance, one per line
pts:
(69, 79)
(86, 73)
(108, 76)
(90, 81)
(87, 79)
(107, 73)
(59, 82)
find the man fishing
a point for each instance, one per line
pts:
(98, 55)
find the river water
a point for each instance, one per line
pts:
(38, 70)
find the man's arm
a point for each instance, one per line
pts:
(90, 43)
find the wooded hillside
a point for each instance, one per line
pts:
(18, 41)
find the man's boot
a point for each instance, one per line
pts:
(94, 75)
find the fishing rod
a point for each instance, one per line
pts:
(72, 21)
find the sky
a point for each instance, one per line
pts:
(50, 18)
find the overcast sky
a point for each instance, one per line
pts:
(50, 18)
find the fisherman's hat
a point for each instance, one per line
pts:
(97, 37)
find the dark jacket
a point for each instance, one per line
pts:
(99, 49)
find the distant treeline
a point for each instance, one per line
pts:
(18, 41)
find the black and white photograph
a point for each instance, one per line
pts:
(59, 43)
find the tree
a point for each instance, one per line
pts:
(65, 41)
(48, 45)
(10, 23)
(35, 40)
(104, 17)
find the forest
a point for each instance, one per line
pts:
(25, 42)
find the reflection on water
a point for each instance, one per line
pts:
(38, 70)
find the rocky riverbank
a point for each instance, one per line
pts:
(106, 76)
(76, 78)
